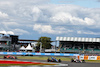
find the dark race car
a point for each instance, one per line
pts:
(10, 57)
(53, 60)
(77, 61)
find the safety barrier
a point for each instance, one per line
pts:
(89, 57)
(40, 54)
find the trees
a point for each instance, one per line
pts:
(46, 42)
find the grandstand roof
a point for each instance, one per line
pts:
(78, 39)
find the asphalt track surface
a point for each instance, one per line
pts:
(70, 64)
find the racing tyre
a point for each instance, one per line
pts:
(72, 60)
(15, 57)
(48, 60)
(10, 58)
(83, 61)
(59, 60)
(4, 57)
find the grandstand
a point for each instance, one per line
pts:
(8, 42)
(4, 42)
(79, 45)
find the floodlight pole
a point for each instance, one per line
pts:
(55, 45)
(40, 47)
(83, 47)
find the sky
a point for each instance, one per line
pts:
(31, 19)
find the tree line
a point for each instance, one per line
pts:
(45, 42)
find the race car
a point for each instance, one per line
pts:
(77, 60)
(53, 60)
(10, 57)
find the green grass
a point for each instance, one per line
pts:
(93, 61)
(43, 58)
(24, 64)
(1, 56)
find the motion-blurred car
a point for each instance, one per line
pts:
(53, 60)
(77, 60)
(10, 57)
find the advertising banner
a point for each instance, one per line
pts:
(98, 57)
(92, 58)
(81, 57)
(85, 57)
(42, 54)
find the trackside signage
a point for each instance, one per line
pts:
(30, 53)
(81, 57)
(89, 57)
(92, 58)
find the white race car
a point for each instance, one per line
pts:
(77, 60)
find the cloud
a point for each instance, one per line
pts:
(23, 17)
(10, 32)
(5, 3)
(89, 21)
(15, 31)
(10, 23)
(36, 13)
(68, 18)
(3, 32)
(43, 28)
(7, 32)
(88, 32)
(20, 31)
(3, 15)
(48, 29)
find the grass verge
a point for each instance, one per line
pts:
(24, 64)
(43, 58)
(93, 61)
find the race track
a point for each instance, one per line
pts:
(70, 64)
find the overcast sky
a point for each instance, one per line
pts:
(31, 19)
